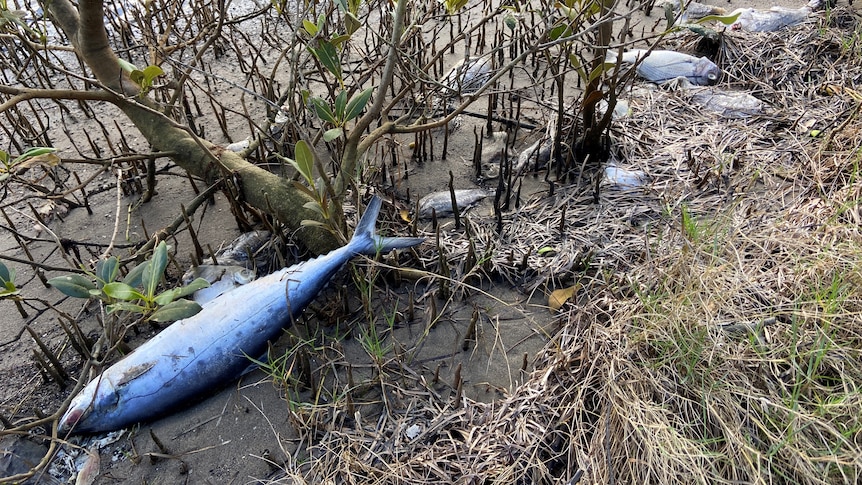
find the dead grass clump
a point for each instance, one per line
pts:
(717, 337)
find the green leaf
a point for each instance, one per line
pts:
(309, 27)
(332, 134)
(725, 19)
(314, 206)
(453, 6)
(328, 56)
(560, 31)
(338, 40)
(304, 160)
(165, 297)
(340, 105)
(197, 284)
(73, 285)
(135, 277)
(351, 23)
(127, 66)
(575, 61)
(510, 21)
(107, 269)
(154, 271)
(33, 152)
(126, 306)
(137, 76)
(122, 291)
(324, 112)
(176, 310)
(6, 274)
(151, 72)
(357, 104)
(599, 70)
(7, 281)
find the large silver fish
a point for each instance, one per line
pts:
(660, 66)
(211, 349)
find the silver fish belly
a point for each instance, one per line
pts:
(211, 349)
(660, 66)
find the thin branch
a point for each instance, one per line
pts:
(23, 94)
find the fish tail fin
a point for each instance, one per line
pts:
(365, 239)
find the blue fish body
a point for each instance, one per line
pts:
(211, 349)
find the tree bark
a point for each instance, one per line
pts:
(84, 26)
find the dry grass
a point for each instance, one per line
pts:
(717, 337)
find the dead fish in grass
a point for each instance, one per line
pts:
(623, 178)
(691, 11)
(660, 66)
(730, 104)
(211, 349)
(441, 202)
(776, 18)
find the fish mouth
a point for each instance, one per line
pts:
(69, 420)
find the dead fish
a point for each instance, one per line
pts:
(467, 76)
(623, 178)
(441, 202)
(536, 155)
(660, 66)
(776, 18)
(730, 104)
(690, 11)
(222, 278)
(210, 349)
(243, 248)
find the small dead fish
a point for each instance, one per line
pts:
(659, 66)
(242, 249)
(493, 148)
(441, 202)
(222, 278)
(731, 104)
(691, 11)
(536, 155)
(623, 178)
(776, 18)
(467, 76)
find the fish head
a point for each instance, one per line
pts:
(96, 399)
(705, 73)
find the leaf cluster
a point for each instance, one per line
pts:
(137, 291)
